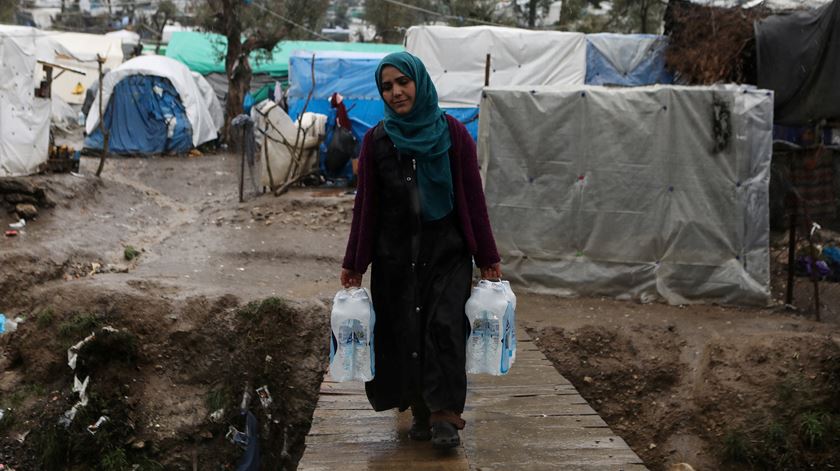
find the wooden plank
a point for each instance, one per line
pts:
(530, 419)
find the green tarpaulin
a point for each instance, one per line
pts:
(204, 52)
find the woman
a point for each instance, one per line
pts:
(419, 219)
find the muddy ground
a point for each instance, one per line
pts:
(224, 297)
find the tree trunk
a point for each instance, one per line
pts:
(644, 16)
(238, 71)
(532, 14)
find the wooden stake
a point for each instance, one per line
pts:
(242, 170)
(105, 132)
(487, 71)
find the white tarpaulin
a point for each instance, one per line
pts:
(279, 134)
(456, 57)
(71, 87)
(643, 193)
(24, 118)
(197, 101)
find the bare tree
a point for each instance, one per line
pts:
(392, 19)
(468, 10)
(255, 26)
(8, 9)
(165, 11)
(530, 14)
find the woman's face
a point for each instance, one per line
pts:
(398, 90)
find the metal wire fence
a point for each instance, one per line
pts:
(805, 263)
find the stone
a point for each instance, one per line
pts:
(26, 211)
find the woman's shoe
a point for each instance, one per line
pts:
(445, 435)
(420, 430)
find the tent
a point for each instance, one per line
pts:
(154, 104)
(204, 53)
(350, 74)
(130, 40)
(799, 59)
(84, 48)
(641, 193)
(456, 59)
(626, 59)
(24, 117)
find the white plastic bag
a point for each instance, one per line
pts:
(491, 344)
(351, 339)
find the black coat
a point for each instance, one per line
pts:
(420, 281)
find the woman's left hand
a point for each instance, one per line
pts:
(492, 272)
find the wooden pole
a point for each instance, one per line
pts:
(487, 71)
(242, 170)
(105, 132)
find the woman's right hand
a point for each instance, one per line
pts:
(350, 278)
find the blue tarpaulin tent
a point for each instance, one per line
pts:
(144, 116)
(626, 59)
(351, 75)
(153, 105)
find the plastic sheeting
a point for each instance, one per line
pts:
(456, 57)
(204, 52)
(85, 48)
(144, 116)
(208, 96)
(349, 73)
(799, 59)
(643, 208)
(278, 135)
(198, 109)
(24, 118)
(626, 59)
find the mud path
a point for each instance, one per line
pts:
(221, 298)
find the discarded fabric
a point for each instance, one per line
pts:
(265, 396)
(93, 428)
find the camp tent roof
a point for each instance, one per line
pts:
(202, 52)
(24, 118)
(456, 58)
(85, 48)
(197, 99)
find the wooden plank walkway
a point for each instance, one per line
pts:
(530, 419)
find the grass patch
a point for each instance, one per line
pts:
(268, 306)
(736, 447)
(55, 449)
(78, 326)
(130, 253)
(814, 427)
(45, 318)
(217, 399)
(114, 460)
(8, 421)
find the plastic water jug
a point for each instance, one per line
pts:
(491, 345)
(351, 343)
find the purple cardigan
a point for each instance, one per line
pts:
(469, 202)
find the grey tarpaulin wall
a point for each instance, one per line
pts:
(619, 192)
(799, 59)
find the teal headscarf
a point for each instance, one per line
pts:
(422, 133)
